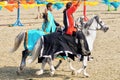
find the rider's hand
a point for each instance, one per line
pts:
(60, 26)
(78, 2)
(46, 10)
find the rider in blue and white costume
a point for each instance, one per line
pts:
(49, 25)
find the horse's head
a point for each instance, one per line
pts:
(100, 24)
(94, 23)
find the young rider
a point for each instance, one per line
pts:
(70, 29)
(49, 24)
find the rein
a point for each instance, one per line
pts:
(92, 29)
(88, 24)
(96, 18)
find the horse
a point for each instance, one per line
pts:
(91, 27)
(29, 37)
(90, 30)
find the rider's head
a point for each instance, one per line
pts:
(68, 5)
(49, 6)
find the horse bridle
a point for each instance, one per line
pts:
(87, 25)
(99, 22)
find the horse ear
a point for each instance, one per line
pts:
(97, 17)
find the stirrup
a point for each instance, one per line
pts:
(86, 53)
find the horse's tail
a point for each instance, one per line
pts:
(18, 41)
(37, 50)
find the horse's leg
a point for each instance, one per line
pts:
(85, 59)
(41, 71)
(85, 66)
(60, 61)
(71, 67)
(25, 53)
(49, 60)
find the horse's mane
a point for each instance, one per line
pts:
(84, 25)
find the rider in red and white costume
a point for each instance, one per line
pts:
(70, 29)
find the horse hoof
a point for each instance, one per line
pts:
(74, 73)
(87, 75)
(18, 73)
(51, 73)
(55, 67)
(39, 72)
(21, 68)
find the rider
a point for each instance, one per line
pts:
(70, 29)
(49, 24)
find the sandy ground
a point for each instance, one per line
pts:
(106, 53)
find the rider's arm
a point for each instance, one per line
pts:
(73, 8)
(57, 24)
(45, 15)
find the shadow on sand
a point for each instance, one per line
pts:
(9, 73)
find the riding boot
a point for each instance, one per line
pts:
(83, 43)
(84, 51)
(23, 61)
